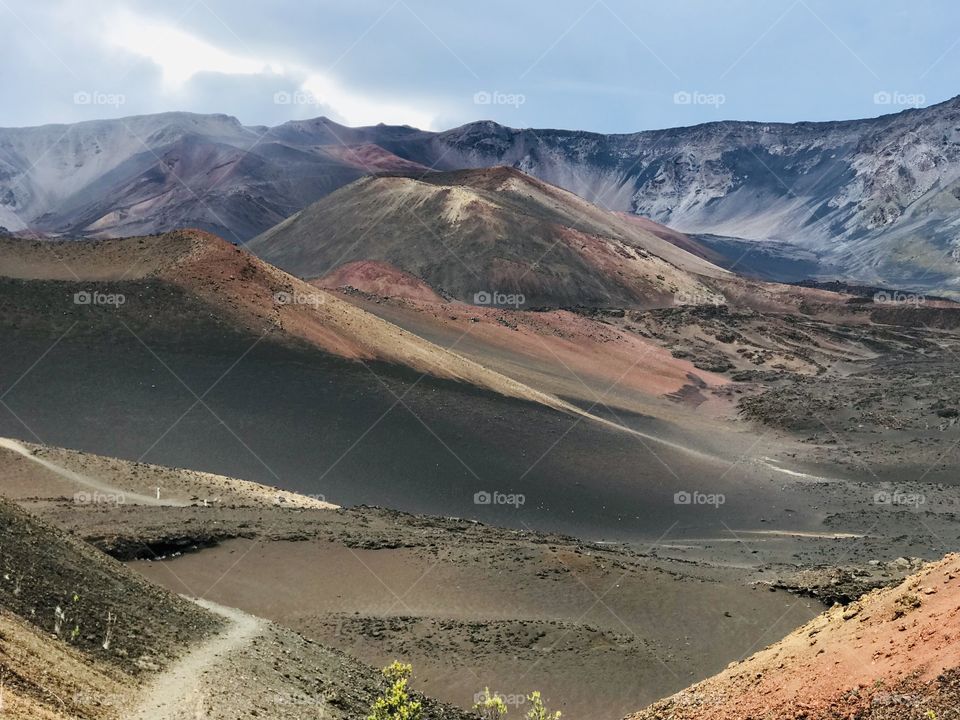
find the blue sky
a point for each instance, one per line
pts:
(600, 65)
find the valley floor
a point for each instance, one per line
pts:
(702, 481)
(470, 605)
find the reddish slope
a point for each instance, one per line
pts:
(372, 158)
(238, 283)
(256, 297)
(893, 654)
(378, 278)
(557, 351)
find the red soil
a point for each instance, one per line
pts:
(378, 278)
(846, 663)
(249, 290)
(556, 344)
(372, 158)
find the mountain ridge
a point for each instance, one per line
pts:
(876, 200)
(954, 100)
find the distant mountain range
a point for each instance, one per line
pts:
(875, 201)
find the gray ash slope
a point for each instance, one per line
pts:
(876, 198)
(142, 174)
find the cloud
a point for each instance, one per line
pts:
(360, 110)
(179, 54)
(422, 63)
(182, 56)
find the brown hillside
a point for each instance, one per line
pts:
(492, 230)
(895, 654)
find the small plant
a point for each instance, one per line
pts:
(537, 709)
(396, 703)
(61, 617)
(111, 618)
(58, 617)
(490, 707)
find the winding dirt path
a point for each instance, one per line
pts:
(177, 694)
(85, 480)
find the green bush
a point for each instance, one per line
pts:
(537, 710)
(490, 707)
(396, 703)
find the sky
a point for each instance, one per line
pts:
(597, 65)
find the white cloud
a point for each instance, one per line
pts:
(359, 110)
(178, 54)
(181, 56)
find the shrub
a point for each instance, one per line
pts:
(490, 707)
(537, 710)
(396, 703)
